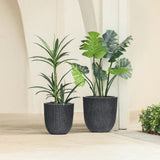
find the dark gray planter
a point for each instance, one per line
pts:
(100, 113)
(58, 117)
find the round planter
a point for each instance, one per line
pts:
(100, 113)
(58, 117)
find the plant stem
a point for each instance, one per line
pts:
(100, 83)
(98, 87)
(111, 81)
(102, 88)
(108, 77)
(90, 85)
(55, 79)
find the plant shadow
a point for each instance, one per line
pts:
(31, 125)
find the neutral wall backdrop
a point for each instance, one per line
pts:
(144, 26)
(22, 19)
(13, 61)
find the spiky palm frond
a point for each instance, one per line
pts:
(56, 56)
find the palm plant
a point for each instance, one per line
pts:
(56, 56)
(97, 48)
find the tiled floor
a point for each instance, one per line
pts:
(23, 137)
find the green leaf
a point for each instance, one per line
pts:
(41, 57)
(118, 51)
(115, 50)
(45, 91)
(48, 79)
(65, 61)
(55, 48)
(41, 60)
(66, 44)
(77, 75)
(63, 54)
(122, 68)
(84, 69)
(69, 99)
(98, 72)
(92, 46)
(41, 87)
(114, 56)
(110, 42)
(46, 46)
(63, 86)
(61, 42)
(150, 119)
(117, 71)
(61, 93)
(73, 89)
(63, 77)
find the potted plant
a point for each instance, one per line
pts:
(100, 109)
(58, 114)
(150, 119)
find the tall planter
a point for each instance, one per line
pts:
(58, 117)
(100, 113)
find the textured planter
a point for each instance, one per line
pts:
(100, 113)
(58, 117)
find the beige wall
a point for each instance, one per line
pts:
(13, 61)
(45, 18)
(144, 25)
(21, 20)
(58, 16)
(39, 18)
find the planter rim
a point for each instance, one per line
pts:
(97, 97)
(55, 104)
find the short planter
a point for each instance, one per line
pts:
(100, 113)
(58, 117)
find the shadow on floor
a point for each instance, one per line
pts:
(21, 125)
(139, 135)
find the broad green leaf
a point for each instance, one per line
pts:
(117, 71)
(78, 75)
(84, 69)
(115, 50)
(122, 68)
(110, 41)
(100, 54)
(118, 51)
(98, 72)
(93, 46)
